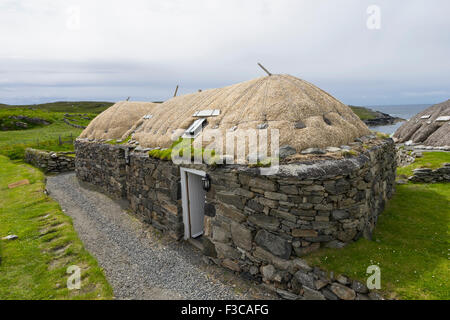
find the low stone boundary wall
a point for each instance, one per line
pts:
(259, 226)
(73, 124)
(426, 175)
(55, 162)
(404, 156)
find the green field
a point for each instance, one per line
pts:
(9, 118)
(69, 106)
(432, 160)
(34, 266)
(14, 142)
(410, 244)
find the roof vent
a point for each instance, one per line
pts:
(194, 130)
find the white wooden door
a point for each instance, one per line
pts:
(197, 197)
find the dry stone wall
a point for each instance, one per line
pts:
(104, 166)
(426, 175)
(405, 156)
(54, 162)
(259, 226)
(154, 193)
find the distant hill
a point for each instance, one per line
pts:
(66, 106)
(369, 116)
(374, 118)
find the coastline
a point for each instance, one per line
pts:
(373, 118)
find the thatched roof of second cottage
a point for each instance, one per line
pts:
(305, 115)
(430, 127)
(118, 120)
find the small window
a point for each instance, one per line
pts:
(194, 130)
(443, 119)
(207, 113)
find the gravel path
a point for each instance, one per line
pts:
(138, 264)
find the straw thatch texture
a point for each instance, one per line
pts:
(281, 101)
(427, 131)
(116, 121)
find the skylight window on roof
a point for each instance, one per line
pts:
(443, 119)
(194, 130)
(207, 113)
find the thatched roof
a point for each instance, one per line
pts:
(305, 115)
(118, 120)
(428, 127)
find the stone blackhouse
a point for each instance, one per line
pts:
(256, 225)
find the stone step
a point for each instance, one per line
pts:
(196, 243)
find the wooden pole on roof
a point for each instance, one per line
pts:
(128, 99)
(262, 67)
(176, 91)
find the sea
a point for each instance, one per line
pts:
(406, 112)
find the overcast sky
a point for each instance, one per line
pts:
(54, 50)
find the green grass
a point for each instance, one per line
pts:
(114, 141)
(411, 244)
(67, 106)
(432, 160)
(364, 113)
(182, 146)
(349, 153)
(7, 123)
(14, 142)
(34, 266)
(381, 135)
(1, 251)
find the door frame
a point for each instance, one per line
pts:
(185, 198)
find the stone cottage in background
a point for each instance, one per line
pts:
(333, 180)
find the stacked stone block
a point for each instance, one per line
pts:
(426, 175)
(104, 166)
(50, 162)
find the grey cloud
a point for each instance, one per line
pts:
(145, 48)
